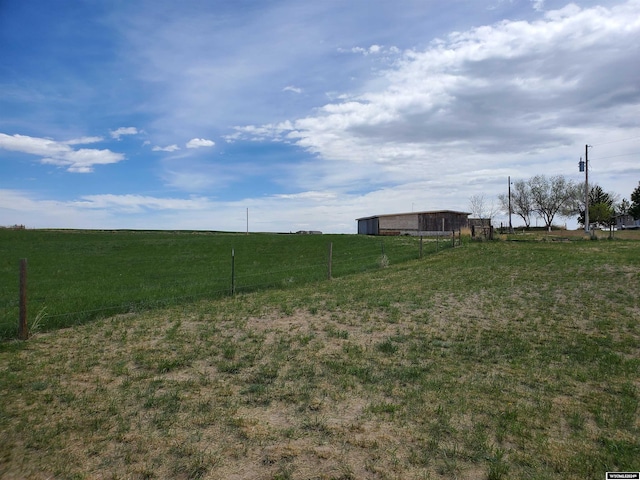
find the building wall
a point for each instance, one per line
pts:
(368, 226)
(443, 221)
(399, 222)
(413, 223)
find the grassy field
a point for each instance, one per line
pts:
(492, 361)
(76, 276)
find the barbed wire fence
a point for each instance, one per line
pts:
(240, 273)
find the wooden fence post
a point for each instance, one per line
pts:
(420, 246)
(23, 329)
(330, 260)
(233, 271)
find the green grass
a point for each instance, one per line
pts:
(492, 361)
(76, 276)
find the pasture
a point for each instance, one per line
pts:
(76, 276)
(492, 361)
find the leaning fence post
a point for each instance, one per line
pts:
(23, 329)
(330, 261)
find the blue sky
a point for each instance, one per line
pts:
(183, 115)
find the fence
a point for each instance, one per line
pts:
(101, 282)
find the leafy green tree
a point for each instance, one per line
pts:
(601, 207)
(601, 214)
(634, 209)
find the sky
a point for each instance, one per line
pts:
(287, 115)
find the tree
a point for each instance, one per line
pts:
(482, 208)
(601, 207)
(634, 209)
(601, 214)
(623, 207)
(521, 201)
(552, 196)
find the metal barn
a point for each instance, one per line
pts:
(414, 223)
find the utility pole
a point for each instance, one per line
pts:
(510, 226)
(586, 189)
(584, 167)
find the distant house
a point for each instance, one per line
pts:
(414, 223)
(626, 222)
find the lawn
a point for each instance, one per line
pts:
(495, 360)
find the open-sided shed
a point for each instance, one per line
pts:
(414, 223)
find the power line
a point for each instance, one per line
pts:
(614, 156)
(615, 141)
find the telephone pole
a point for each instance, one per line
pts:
(584, 167)
(510, 227)
(586, 188)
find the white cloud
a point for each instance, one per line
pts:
(371, 50)
(310, 195)
(138, 203)
(83, 160)
(264, 132)
(83, 141)
(123, 131)
(60, 153)
(538, 5)
(293, 89)
(33, 145)
(169, 148)
(199, 142)
(512, 92)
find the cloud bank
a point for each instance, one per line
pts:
(480, 96)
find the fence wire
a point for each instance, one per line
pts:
(148, 282)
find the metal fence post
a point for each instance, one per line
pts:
(330, 261)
